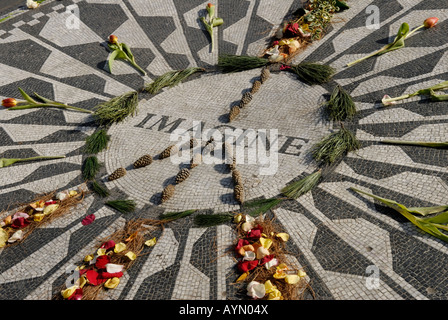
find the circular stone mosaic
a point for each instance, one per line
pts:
(280, 125)
(338, 236)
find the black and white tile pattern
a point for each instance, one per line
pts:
(336, 235)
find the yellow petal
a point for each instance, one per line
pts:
(275, 295)
(302, 274)
(292, 278)
(131, 237)
(279, 275)
(72, 193)
(88, 258)
(3, 237)
(51, 208)
(119, 247)
(112, 283)
(269, 286)
(266, 242)
(101, 252)
(238, 218)
(283, 236)
(38, 217)
(151, 242)
(242, 277)
(68, 292)
(81, 282)
(131, 255)
(262, 252)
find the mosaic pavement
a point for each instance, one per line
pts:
(336, 235)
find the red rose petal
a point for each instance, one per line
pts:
(94, 278)
(77, 295)
(266, 259)
(19, 223)
(108, 245)
(108, 275)
(245, 266)
(88, 219)
(101, 261)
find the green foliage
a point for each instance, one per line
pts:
(441, 145)
(210, 220)
(234, 63)
(302, 186)
(176, 215)
(123, 206)
(90, 168)
(261, 206)
(335, 145)
(99, 189)
(171, 79)
(97, 141)
(341, 105)
(431, 225)
(313, 73)
(117, 109)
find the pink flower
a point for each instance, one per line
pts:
(275, 43)
(293, 29)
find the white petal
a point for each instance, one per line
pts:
(114, 268)
(18, 235)
(249, 256)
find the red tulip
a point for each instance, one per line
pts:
(10, 102)
(210, 5)
(430, 22)
(113, 39)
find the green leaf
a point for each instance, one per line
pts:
(428, 210)
(440, 218)
(128, 52)
(399, 39)
(26, 96)
(111, 58)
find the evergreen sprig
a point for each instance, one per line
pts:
(99, 189)
(236, 63)
(117, 109)
(312, 73)
(123, 206)
(176, 215)
(341, 105)
(302, 186)
(335, 145)
(261, 206)
(97, 141)
(171, 79)
(90, 168)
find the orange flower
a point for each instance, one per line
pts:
(10, 102)
(430, 22)
(210, 5)
(113, 39)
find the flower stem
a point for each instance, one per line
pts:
(39, 105)
(406, 96)
(410, 33)
(366, 57)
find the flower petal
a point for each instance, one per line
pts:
(88, 219)
(266, 243)
(114, 268)
(151, 242)
(249, 256)
(256, 290)
(283, 236)
(131, 255)
(112, 283)
(18, 235)
(119, 247)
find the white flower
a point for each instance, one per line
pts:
(256, 290)
(32, 4)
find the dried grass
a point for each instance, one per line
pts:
(278, 249)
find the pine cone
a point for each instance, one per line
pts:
(238, 192)
(247, 98)
(234, 112)
(228, 150)
(120, 172)
(236, 177)
(255, 87)
(182, 175)
(168, 192)
(196, 160)
(232, 165)
(168, 151)
(143, 161)
(265, 74)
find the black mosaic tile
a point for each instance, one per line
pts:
(21, 55)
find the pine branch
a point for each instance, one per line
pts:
(313, 73)
(304, 185)
(234, 63)
(123, 206)
(341, 105)
(171, 79)
(97, 141)
(99, 189)
(176, 215)
(117, 109)
(90, 168)
(335, 145)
